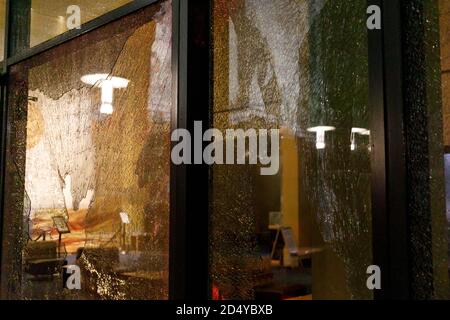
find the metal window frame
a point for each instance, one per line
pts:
(189, 245)
(402, 188)
(389, 179)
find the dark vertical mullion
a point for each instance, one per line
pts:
(395, 147)
(189, 196)
(389, 179)
(397, 181)
(380, 239)
(197, 176)
(177, 276)
(4, 125)
(3, 137)
(19, 26)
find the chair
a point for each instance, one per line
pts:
(41, 258)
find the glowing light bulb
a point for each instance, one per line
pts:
(107, 84)
(320, 141)
(107, 97)
(320, 135)
(354, 132)
(106, 108)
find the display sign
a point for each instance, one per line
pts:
(61, 224)
(125, 218)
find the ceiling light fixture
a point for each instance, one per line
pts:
(355, 131)
(107, 84)
(320, 135)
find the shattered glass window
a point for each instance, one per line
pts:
(300, 66)
(88, 161)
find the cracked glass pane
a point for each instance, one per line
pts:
(88, 163)
(300, 66)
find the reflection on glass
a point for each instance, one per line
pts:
(320, 135)
(107, 84)
(89, 187)
(300, 66)
(52, 18)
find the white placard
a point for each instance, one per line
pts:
(125, 218)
